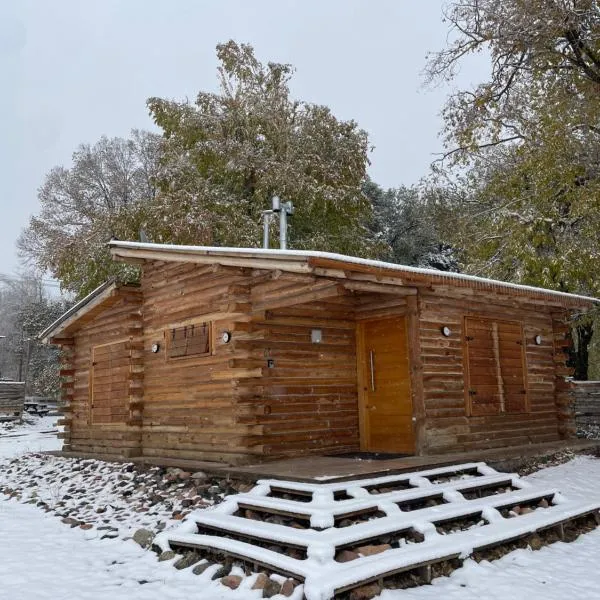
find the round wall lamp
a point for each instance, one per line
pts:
(226, 337)
(538, 339)
(155, 348)
(446, 331)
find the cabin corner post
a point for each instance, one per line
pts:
(416, 372)
(67, 386)
(136, 382)
(564, 388)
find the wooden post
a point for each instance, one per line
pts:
(416, 372)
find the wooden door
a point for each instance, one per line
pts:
(386, 404)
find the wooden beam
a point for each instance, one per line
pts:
(379, 288)
(294, 266)
(415, 364)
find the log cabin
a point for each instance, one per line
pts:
(246, 355)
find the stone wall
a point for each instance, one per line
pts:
(587, 404)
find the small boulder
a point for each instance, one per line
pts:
(231, 581)
(365, 592)
(199, 569)
(346, 556)
(187, 561)
(143, 537)
(261, 581)
(272, 588)
(373, 549)
(199, 476)
(167, 555)
(223, 571)
(535, 542)
(287, 589)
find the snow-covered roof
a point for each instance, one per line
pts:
(308, 260)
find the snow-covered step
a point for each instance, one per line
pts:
(340, 535)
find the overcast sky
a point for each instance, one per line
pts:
(72, 71)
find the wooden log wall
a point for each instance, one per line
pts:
(190, 404)
(448, 426)
(119, 436)
(309, 393)
(272, 391)
(12, 396)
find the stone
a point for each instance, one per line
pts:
(287, 589)
(186, 561)
(198, 476)
(231, 581)
(167, 555)
(261, 581)
(199, 569)
(244, 487)
(516, 509)
(373, 549)
(86, 526)
(272, 588)
(71, 521)
(184, 476)
(543, 503)
(250, 514)
(223, 571)
(535, 542)
(526, 510)
(346, 556)
(365, 592)
(143, 537)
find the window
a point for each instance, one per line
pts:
(495, 367)
(191, 340)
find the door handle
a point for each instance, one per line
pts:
(372, 365)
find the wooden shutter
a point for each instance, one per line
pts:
(512, 366)
(192, 340)
(483, 393)
(495, 367)
(110, 374)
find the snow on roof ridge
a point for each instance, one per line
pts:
(300, 254)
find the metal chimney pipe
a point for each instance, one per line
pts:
(266, 223)
(283, 228)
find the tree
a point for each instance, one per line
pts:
(25, 311)
(530, 139)
(106, 193)
(545, 65)
(227, 154)
(404, 224)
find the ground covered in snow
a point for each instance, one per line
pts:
(42, 557)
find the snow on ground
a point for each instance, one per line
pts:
(35, 434)
(41, 558)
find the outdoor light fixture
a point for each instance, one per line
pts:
(446, 331)
(226, 337)
(316, 336)
(538, 339)
(155, 348)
